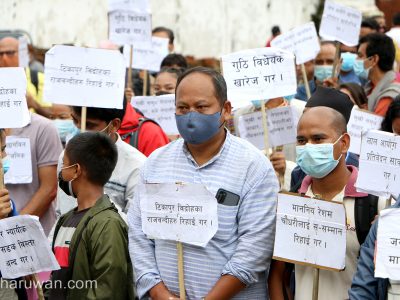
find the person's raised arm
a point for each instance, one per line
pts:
(46, 193)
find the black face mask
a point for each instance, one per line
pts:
(65, 186)
(160, 93)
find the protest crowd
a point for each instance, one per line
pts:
(274, 176)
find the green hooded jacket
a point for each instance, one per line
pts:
(99, 252)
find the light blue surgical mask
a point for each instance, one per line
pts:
(196, 128)
(65, 128)
(6, 164)
(360, 70)
(316, 160)
(256, 103)
(348, 60)
(323, 72)
(289, 98)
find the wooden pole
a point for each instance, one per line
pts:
(39, 289)
(129, 82)
(83, 118)
(181, 277)
(1, 168)
(335, 72)
(315, 284)
(265, 126)
(307, 86)
(145, 82)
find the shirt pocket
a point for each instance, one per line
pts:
(227, 223)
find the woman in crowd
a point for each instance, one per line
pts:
(356, 93)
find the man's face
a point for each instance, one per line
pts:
(362, 54)
(97, 125)
(196, 93)
(61, 112)
(315, 127)
(326, 55)
(164, 34)
(9, 52)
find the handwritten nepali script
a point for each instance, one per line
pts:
(255, 74)
(186, 213)
(302, 41)
(148, 57)
(24, 248)
(361, 121)
(340, 23)
(159, 108)
(310, 231)
(388, 245)
(282, 126)
(128, 27)
(142, 6)
(379, 170)
(84, 77)
(19, 153)
(14, 111)
(250, 128)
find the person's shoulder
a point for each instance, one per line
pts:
(167, 150)
(242, 150)
(129, 153)
(38, 120)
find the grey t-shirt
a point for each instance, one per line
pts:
(45, 150)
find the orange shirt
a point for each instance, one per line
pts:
(382, 106)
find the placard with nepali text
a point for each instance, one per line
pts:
(302, 41)
(128, 27)
(159, 108)
(250, 128)
(24, 248)
(310, 231)
(259, 74)
(14, 111)
(84, 77)
(387, 263)
(185, 213)
(23, 53)
(379, 166)
(361, 121)
(340, 23)
(148, 57)
(282, 126)
(19, 152)
(131, 5)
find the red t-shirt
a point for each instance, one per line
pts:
(151, 136)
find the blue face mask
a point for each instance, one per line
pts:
(289, 98)
(323, 72)
(197, 128)
(348, 60)
(360, 70)
(316, 160)
(65, 128)
(256, 103)
(6, 164)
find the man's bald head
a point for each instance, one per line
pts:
(9, 52)
(326, 117)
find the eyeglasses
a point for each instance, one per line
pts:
(8, 53)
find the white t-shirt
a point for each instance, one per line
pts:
(333, 285)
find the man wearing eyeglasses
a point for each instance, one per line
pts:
(9, 58)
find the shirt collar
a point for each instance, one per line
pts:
(350, 189)
(225, 145)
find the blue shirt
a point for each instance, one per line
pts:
(301, 93)
(243, 244)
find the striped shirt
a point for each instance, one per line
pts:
(243, 244)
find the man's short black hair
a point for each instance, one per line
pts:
(382, 45)
(96, 153)
(396, 19)
(370, 23)
(170, 33)
(220, 89)
(103, 114)
(174, 59)
(392, 113)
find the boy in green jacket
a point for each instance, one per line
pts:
(91, 241)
